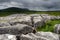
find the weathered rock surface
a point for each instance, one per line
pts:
(49, 17)
(40, 36)
(31, 36)
(57, 28)
(23, 24)
(4, 24)
(16, 29)
(38, 19)
(7, 37)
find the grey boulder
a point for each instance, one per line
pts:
(40, 36)
(7, 37)
(57, 28)
(16, 29)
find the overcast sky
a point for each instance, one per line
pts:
(39, 5)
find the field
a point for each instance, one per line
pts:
(56, 13)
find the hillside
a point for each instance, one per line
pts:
(14, 10)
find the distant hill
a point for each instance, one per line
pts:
(14, 9)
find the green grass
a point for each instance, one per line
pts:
(56, 13)
(31, 12)
(49, 26)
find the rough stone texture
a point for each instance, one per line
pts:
(57, 28)
(31, 36)
(4, 24)
(23, 19)
(48, 35)
(7, 37)
(22, 24)
(39, 19)
(40, 36)
(16, 29)
(50, 17)
(11, 21)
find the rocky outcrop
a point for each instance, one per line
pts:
(4, 24)
(16, 29)
(26, 19)
(38, 19)
(57, 28)
(7, 37)
(40, 36)
(24, 25)
(50, 17)
(31, 36)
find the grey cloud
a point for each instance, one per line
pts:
(2, 1)
(39, 5)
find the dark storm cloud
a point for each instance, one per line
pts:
(39, 5)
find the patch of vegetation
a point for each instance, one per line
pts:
(6, 13)
(14, 10)
(49, 26)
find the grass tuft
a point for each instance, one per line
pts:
(49, 26)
